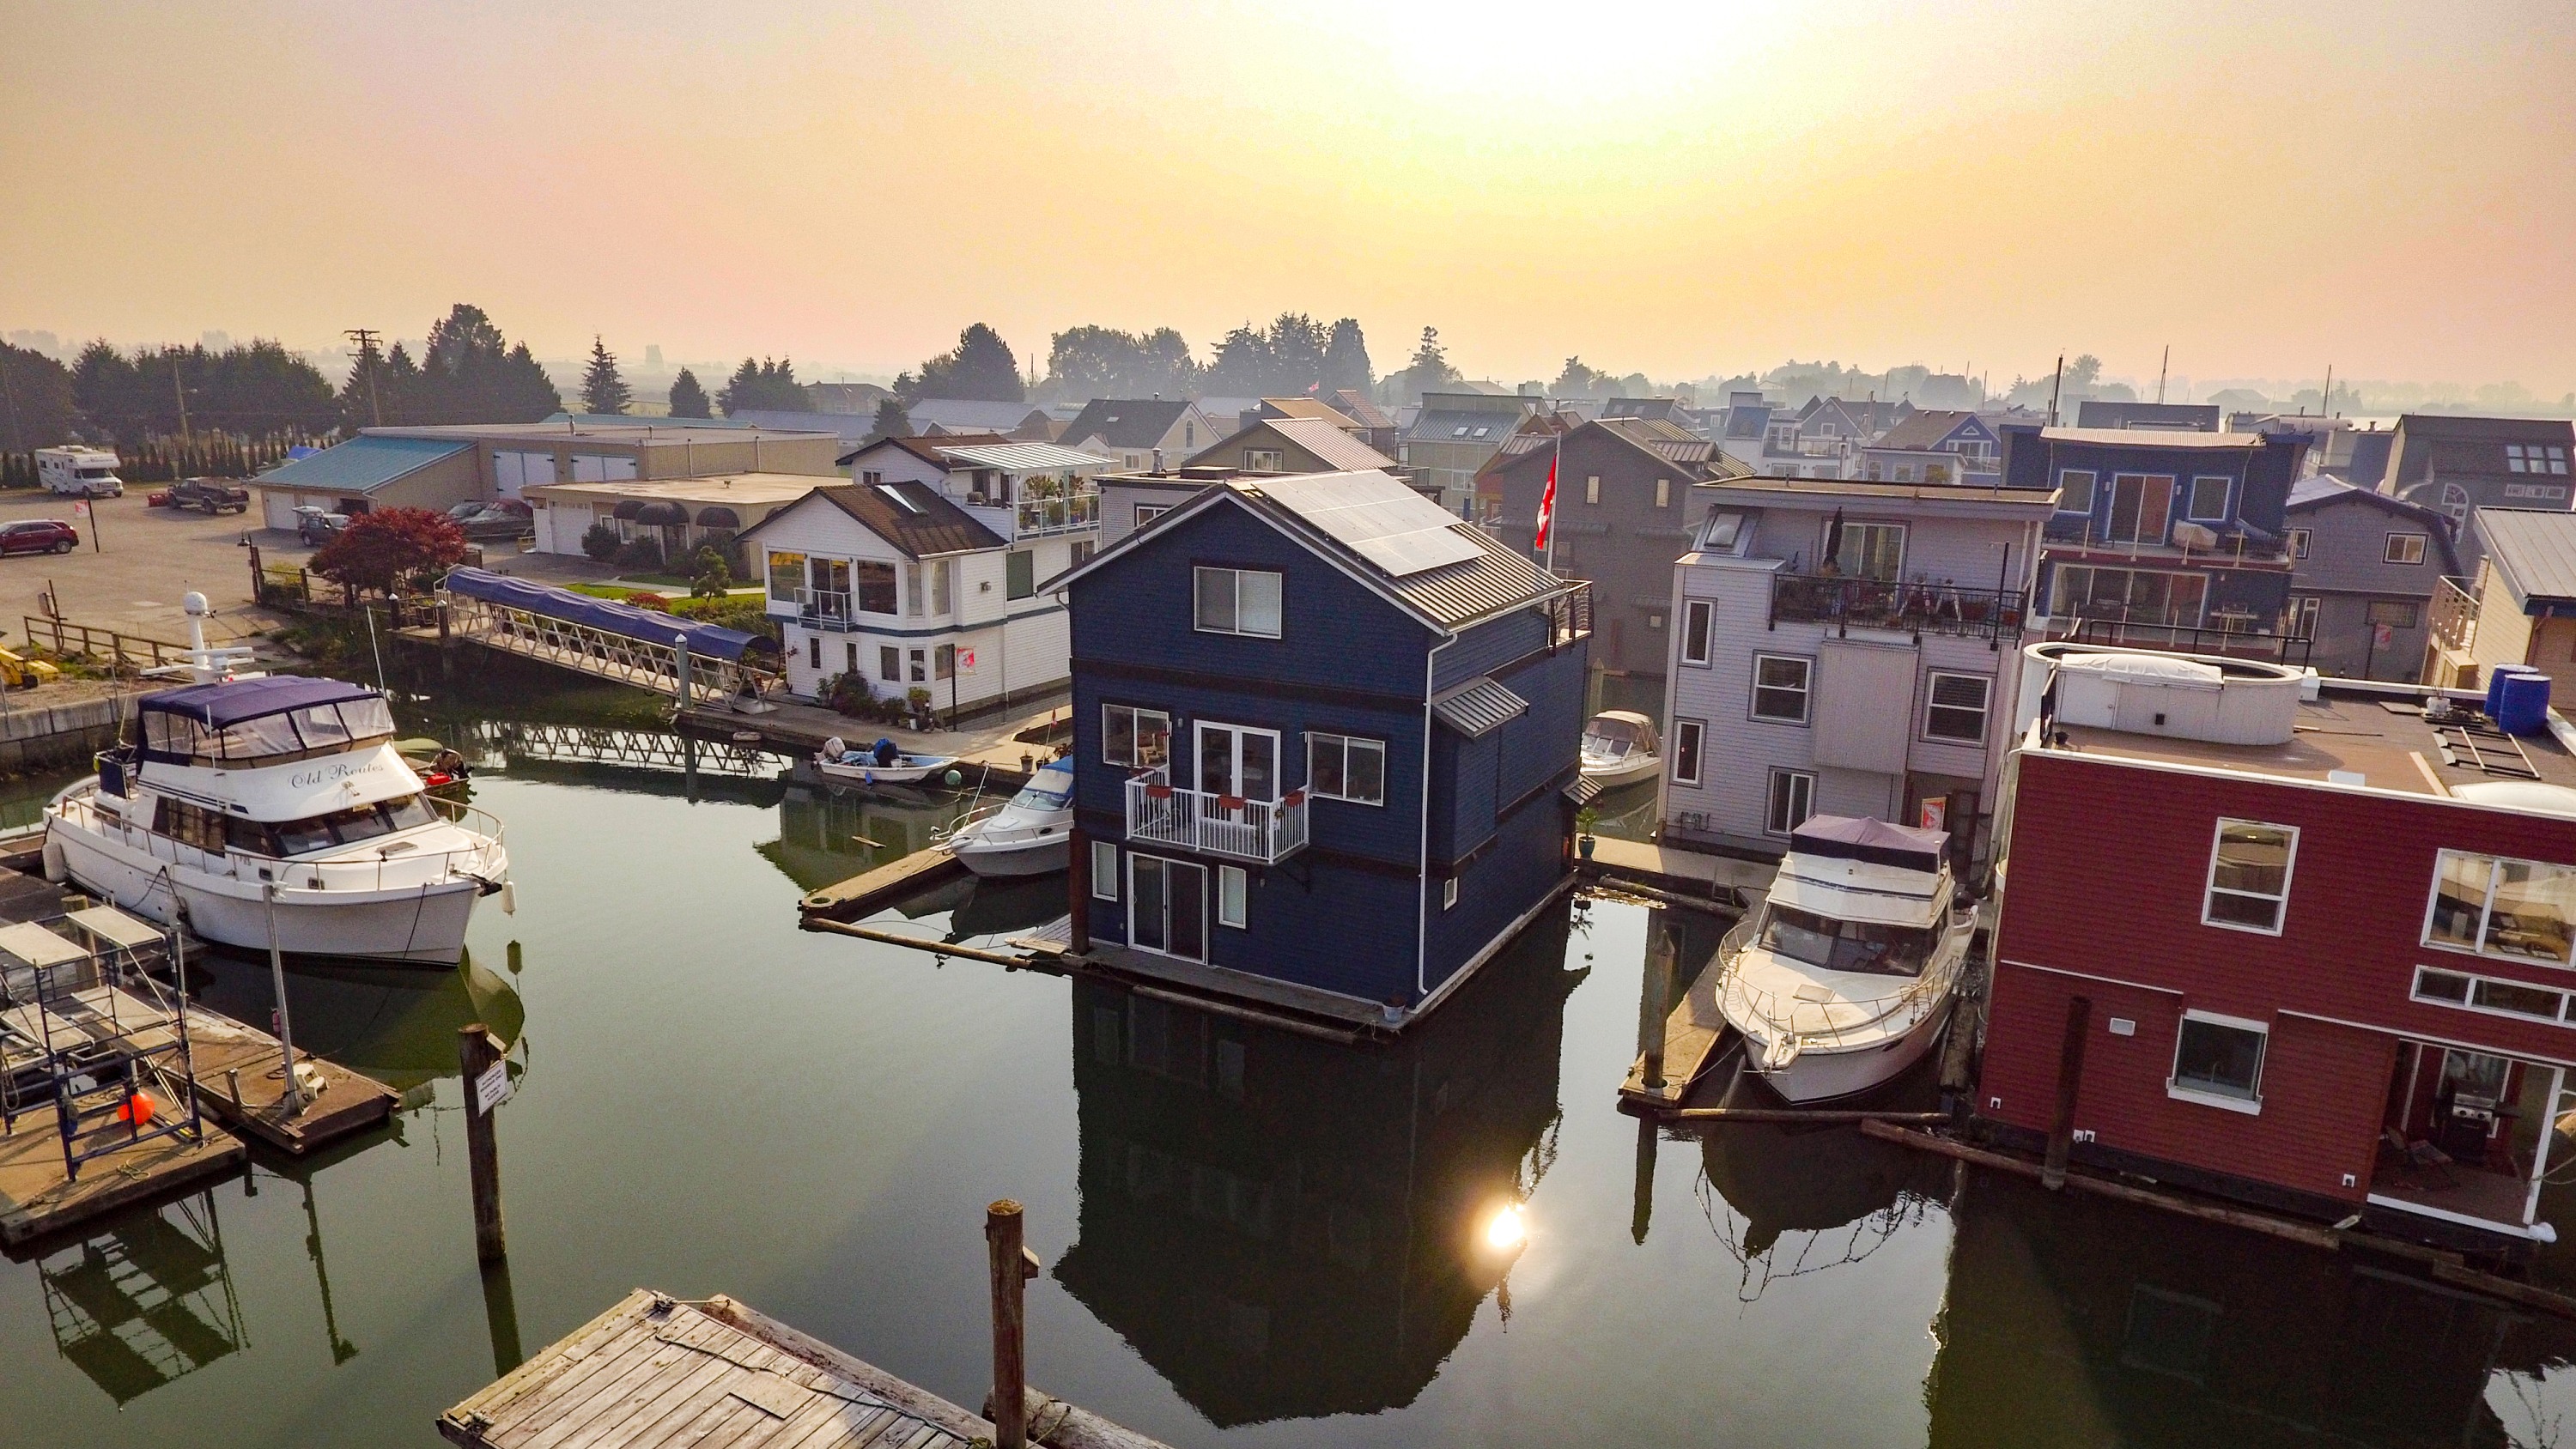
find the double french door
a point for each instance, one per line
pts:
(1167, 907)
(1238, 762)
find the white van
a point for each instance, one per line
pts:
(89, 472)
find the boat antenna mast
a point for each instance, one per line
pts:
(203, 664)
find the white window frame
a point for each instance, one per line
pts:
(1806, 692)
(2300, 538)
(2210, 887)
(2251, 1106)
(2514, 459)
(1591, 487)
(1344, 742)
(1200, 577)
(2092, 485)
(1233, 897)
(1699, 618)
(1698, 756)
(2486, 908)
(1663, 493)
(1104, 856)
(2390, 550)
(2415, 992)
(1449, 894)
(1134, 710)
(2191, 504)
(1148, 512)
(1198, 755)
(1985, 707)
(2303, 615)
(1802, 782)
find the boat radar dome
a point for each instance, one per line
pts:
(195, 604)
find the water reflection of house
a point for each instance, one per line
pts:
(1288, 1228)
(827, 834)
(2070, 1320)
(145, 1302)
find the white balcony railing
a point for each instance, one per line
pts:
(1040, 517)
(1211, 824)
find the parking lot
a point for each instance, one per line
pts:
(135, 563)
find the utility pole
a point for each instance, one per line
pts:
(2325, 401)
(2161, 368)
(178, 392)
(365, 337)
(2054, 388)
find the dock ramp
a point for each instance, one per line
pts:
(605, 639)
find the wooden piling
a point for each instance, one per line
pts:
(1641, 1211)
(1006, 1256)
(477, 1053)
(1658, 1002)
(2070, 1080)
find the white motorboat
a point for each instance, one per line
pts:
(883, 763)
(1029, 835)
(1619, 748)
(1843, 978)
(276, 804)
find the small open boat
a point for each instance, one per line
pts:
(1843, 978)
(1029, 835)
(1619, 748)
(883, 763)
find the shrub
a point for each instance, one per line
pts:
(751, 616)
(390, 548)
(647, 599)
(600, 542)
(850, 694)
(642, 553)
(709, 576)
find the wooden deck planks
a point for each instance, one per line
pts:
(350, 1102)
(38, 1198)
(652, 1373)
(862, 894)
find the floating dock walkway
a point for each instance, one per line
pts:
(657, 1371)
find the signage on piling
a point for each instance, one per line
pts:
(492, 1088)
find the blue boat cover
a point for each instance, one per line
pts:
(218, 705)
(708, 639)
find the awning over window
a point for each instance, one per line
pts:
(1479, 708)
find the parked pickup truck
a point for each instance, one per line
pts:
(211, 494)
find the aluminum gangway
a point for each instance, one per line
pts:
(603, 653)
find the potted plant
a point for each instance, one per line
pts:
(1585, 820)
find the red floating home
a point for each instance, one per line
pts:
(2306, 947)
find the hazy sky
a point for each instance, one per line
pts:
(1665, 187)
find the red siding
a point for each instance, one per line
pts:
(2108, 867)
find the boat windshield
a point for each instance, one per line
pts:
(1863, 946)
(1604, 745)
(1042, 792)
(348, 827)
(321, 729)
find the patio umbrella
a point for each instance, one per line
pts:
(1833, 540)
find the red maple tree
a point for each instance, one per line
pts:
(383, 551)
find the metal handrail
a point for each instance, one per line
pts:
(1923, 993)
(1036, 517)
(437, 867)
(1920, 606)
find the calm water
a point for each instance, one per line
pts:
(1251, 1238)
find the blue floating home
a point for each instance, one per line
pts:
(1327, 737)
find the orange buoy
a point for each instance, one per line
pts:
(137, 1110)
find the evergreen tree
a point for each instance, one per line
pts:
(36, 407)
(602, 390)
(362, 396)
(1429, 371)
(764, 386)
(1346, 360)
(892, 421)
(980, 367)
(688, 399)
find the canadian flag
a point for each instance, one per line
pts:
(1546, 507)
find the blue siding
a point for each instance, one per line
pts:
(1488, 647)
(1522, 866)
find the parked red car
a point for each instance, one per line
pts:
(38, 535)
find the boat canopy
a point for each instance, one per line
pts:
(1623, 727)
(242, 720)
(1846, 837)
(1850, 890)
(711, 640)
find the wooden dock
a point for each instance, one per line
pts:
(865, 894)
(1696, 1038)
(37, 1199)
(241, 1081)
(656, 1371)
(1009, 745)
(1697, 874)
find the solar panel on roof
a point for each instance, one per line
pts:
(1385, 522)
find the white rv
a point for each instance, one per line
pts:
(89, 472)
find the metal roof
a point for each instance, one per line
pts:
(1026, 458)
(2536, 549)
(1478, 708)
(1124, 422)
(1462, 592)
(914, 517)
(361, 465)
(1330, 445)
(2153, 438)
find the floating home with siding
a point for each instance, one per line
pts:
(1844, 648)
(1326, 734)
(2310, 953)
(927, 572)
(2159, 534)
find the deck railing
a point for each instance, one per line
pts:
(2291, 650)
(2454, 618)
(1570, 614)
(1039, 517)
(395, 865)
(1920, 607)
(1158, 813)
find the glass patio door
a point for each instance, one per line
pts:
(1167, 907)
(2141, 505)
(1240, 762)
